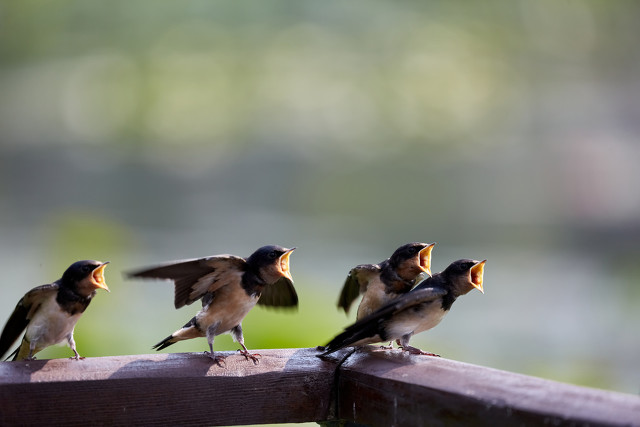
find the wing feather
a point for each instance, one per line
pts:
(23, 313)
(370, 326)
(356, 284)
(196, 277)
(279, 294)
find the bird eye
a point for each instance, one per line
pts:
(86, 268)
(272, 254)
(412, 250)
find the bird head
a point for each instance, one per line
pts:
(465, 275)
(272, 263)
(412, 259)
(86, 276)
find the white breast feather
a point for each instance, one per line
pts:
(50, 325)
(409, 322)
(228, 312)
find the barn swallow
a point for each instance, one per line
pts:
(229, 287)
(418, 310)
(383, 282)
(50, 312)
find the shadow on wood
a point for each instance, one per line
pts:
(372, 386)
(183, 389)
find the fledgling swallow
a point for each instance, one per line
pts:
(229, 287)
(418, 310)
(380, 283)
(50, 312)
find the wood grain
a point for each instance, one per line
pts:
(179, 389)
(369, 386)
(388, 388)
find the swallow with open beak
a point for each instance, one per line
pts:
(380, 283)
(50, 312)
(418, 310)
(229, 287)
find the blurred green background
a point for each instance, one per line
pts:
(141, 131)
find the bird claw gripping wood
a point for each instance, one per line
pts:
(413, 350)
(218, 360)
(254, 357)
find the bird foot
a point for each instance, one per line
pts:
(413, 350)
(76, 357)
(218, 360)
(387, 347)
(255, 357)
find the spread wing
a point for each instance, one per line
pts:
(373, 324)
(194, 278)
(23, 313)
(279, 294)
(356, 284)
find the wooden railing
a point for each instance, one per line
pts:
(369, 386)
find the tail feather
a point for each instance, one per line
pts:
(24, 350)
(340, 341)
(351, 336)
(13, 328)
(164, 343)
(190, 327)
(14, 354)
(367, 330)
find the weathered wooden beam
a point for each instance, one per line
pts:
(167, 389)
(388, 388)
(374, 387)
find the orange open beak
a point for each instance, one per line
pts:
(97, 277)
(284, 264)
(425, 258)
(477, 272)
